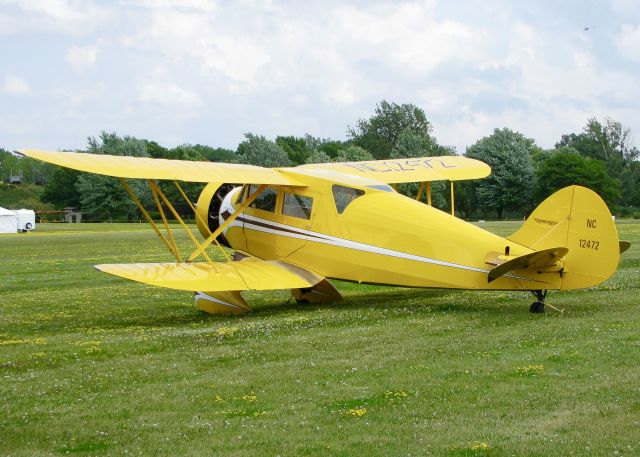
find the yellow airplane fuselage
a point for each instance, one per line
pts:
(380, 237)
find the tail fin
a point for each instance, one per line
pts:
(576, 218)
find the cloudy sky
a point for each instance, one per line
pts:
(198, 71)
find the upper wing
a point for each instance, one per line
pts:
(174, 170)
(451, 168)
(247, 274)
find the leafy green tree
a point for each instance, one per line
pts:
(155, 150)
(510, 185)
(217, 154)
(466, 199)
(257, 150)
(103, 197)
(613, 138)
(201, 152)
(581, 143)
(354, 154)
(312, 142)
(185, 152)
(318, 156)
(61, 190)
(630, 184)
(410, 144)
(565, 168)
(111, 143)
(608, 141)
(332, 148)
(296, 148)
(380, 133)
(8, 163)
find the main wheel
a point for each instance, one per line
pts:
(28, 226)
(537, 307)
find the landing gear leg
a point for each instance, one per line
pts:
(538, 305)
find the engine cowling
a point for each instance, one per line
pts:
(208, 208)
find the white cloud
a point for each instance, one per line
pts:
(628, 42)
(626, 8)
(58, 10)
(208, 6)
(68, 17)
(546, 84)
(198, 37)
(168, 94)
(342, 94)
(81, 58)
(289, 67)
(407, 35)
(15, 86)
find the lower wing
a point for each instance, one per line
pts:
(247, 274)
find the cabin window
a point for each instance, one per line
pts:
(343, 196)
(266, 201)
(297, 206)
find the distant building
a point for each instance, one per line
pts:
(72, 215)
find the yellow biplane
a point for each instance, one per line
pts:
(295, 228)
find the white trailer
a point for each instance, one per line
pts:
(8, 221)
(26, 219)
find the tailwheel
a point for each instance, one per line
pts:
(538, 305)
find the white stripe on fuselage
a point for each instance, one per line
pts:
(316, 237)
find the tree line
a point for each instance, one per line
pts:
(601, 157)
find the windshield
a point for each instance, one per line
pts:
(343, 196)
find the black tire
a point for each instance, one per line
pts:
(28, 226)
(537, 307)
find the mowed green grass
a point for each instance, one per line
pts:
(94, 365)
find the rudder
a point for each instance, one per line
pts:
(577, 218)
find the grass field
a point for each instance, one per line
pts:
(94, 365)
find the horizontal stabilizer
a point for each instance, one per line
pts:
(538, 259)
(248, 274)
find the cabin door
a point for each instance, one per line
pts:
(295, 216)
(259, 222)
